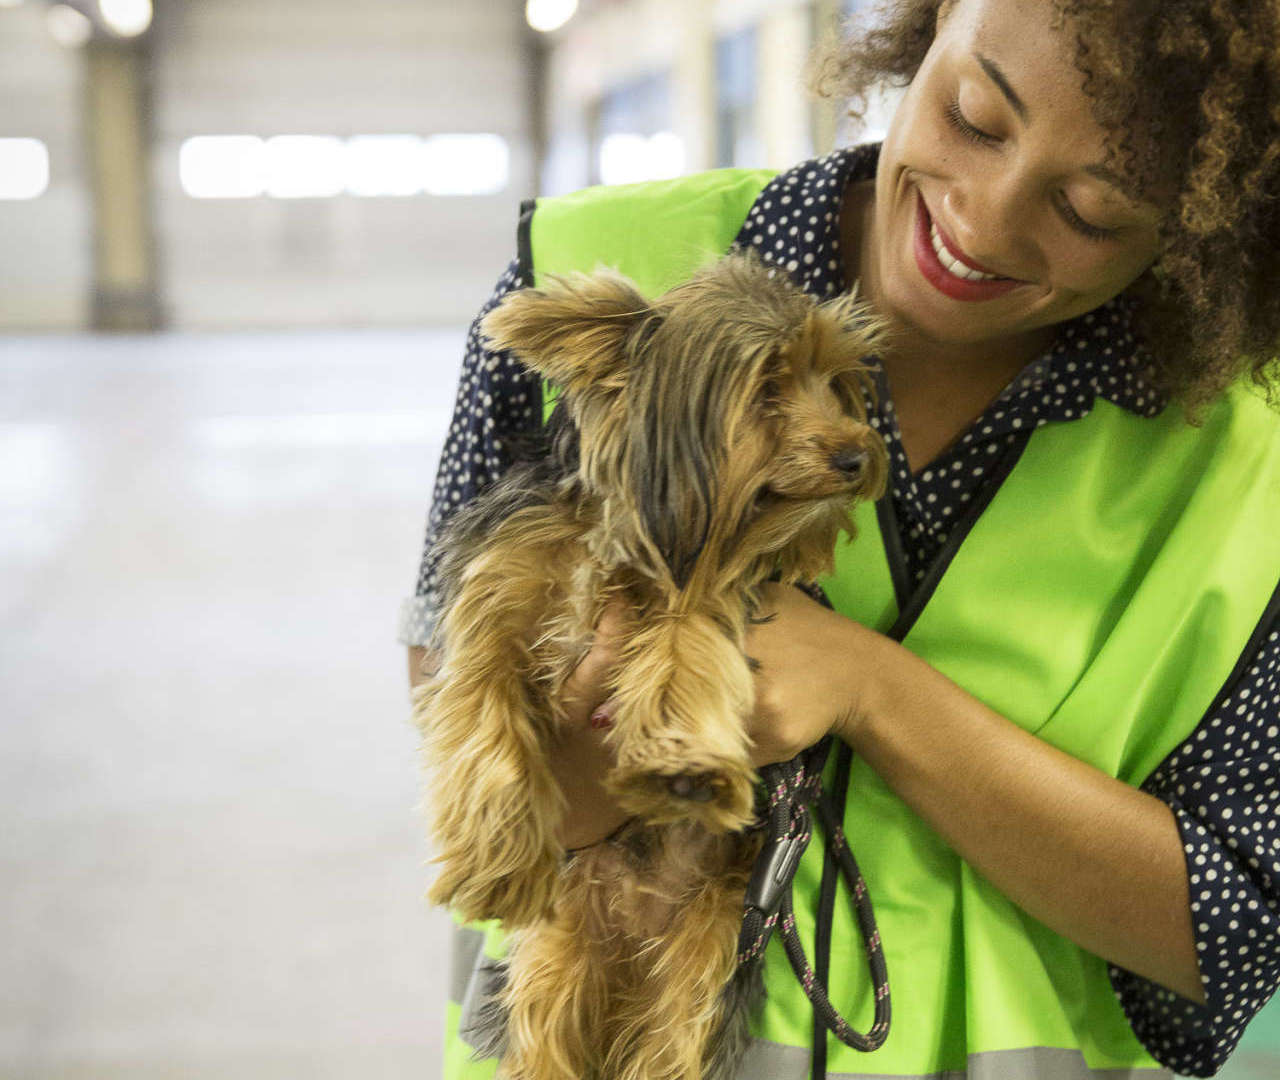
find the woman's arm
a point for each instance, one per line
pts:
(1094, 859)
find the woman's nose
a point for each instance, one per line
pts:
(986, 219)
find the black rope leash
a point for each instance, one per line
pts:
(792, 787)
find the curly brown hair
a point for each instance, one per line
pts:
(1190, 94)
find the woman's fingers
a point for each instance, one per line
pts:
(586, 688)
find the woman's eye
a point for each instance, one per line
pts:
(956, 119)
(1093, 232)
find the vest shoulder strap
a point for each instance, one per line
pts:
(658, 233)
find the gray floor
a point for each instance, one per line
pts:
(212, 863)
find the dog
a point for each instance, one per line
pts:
(704, 443)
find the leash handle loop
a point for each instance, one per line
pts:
(791, 787)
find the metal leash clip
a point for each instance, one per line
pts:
(775, 866)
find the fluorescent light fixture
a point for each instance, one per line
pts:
(466, 164)
(24, 168)
(548, 15)
(128, 18)
(10, 3)
(305, 166)
(627, 158)
(385, 165)
(223, 166)
(68, 27)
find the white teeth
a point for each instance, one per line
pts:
(952, 265)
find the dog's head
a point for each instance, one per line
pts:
(728, 416)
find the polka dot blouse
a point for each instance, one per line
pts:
(1222, 784)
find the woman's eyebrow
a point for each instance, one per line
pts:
(997, 77)
(1098, 172)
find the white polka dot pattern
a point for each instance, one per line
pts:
(1221, 783)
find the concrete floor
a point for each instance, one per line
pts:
(212, 863)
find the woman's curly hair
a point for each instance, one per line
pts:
(1190, 92)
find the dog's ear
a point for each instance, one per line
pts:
(574, 331)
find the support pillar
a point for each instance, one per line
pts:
(117, 113)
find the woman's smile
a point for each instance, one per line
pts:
(948, 269)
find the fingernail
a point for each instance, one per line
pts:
(603, 716)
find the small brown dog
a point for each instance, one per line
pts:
(704, 444)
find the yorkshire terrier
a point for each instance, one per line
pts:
(704, 443)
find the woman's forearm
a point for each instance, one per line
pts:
(1094, 859)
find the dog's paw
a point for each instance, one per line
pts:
(720, 795)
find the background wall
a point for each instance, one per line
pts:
(330, 67)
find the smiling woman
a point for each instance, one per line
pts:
(1169, 163)
(1051, 664)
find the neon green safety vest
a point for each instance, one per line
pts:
(1101, 600)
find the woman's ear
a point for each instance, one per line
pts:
(574, 331)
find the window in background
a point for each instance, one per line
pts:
(24, 168)
(305, 166)
(466, 164)
(737, 139)
(324, 166)
(633, 138)
(382, 165)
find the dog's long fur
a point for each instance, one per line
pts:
(703, 444)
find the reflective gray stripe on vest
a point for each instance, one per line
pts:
(465, 946)
(476, 978)
(773, 1061)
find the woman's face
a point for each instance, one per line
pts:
(994, 216)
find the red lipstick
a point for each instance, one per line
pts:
(940, 277)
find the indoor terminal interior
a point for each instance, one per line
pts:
(241, 242)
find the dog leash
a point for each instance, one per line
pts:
(792, 787)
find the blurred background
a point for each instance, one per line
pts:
(240, 243)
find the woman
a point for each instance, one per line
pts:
(1064, 187)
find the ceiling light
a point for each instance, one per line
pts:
(548, 15)
(128, 18)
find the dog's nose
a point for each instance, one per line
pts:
(850, 462)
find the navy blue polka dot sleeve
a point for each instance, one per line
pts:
(1222, 785)
(497, 397)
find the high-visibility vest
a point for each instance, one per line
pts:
(1100, 598)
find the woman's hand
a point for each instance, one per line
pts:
(586, 688)
(581, 759)
(808, 683)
